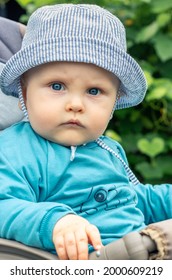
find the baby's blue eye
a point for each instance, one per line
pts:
(57, 86)
(94, 91)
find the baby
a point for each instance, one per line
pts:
(63, 185)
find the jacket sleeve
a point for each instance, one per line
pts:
(22, 217)
(155, 202)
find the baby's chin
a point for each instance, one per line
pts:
(71, 141)
(68, 139)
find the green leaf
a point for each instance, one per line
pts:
(129, 142)
(163, 19)
(112, 134)
(24, 3)
(161, 88)
(159, 6)
(169, 94)
(156, 93)
(151, 148)
(167, 163)
(150, 172)
(147, 32)
(149, 78)
(163, 46)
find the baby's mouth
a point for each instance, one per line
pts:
(74, 123)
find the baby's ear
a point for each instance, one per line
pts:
(19, 102)
(19, 105)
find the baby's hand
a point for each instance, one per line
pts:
(71, 236)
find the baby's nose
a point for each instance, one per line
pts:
(75, 105)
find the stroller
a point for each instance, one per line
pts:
(154, 242)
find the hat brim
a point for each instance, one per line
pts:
(133, 82)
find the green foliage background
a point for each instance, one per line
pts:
(145, 131)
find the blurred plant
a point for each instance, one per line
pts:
(144, 131)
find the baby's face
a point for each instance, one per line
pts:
(69, 103)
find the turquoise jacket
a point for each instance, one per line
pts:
(40, 183)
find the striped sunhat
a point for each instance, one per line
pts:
(77, 33)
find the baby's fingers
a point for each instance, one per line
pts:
(60, 247)
(94, 236)
(72, 245)
(82, 244)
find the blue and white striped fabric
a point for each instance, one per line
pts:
(77, 33)
(129, 172)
